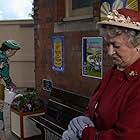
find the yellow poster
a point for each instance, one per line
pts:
(58, 53)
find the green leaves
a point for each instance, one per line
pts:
(29, 101)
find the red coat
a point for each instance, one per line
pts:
(115, 105)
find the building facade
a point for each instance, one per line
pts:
(21, 64)
(72, 20)
(69, 56)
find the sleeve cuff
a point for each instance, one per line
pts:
(89, 133)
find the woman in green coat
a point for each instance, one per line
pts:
(7, 49)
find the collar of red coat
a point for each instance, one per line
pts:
(133, 71)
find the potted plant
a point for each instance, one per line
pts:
(24, 105)
(29, 101)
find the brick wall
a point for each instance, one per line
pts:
(48, 16)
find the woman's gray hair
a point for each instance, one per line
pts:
(112, 31)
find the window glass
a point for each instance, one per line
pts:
(80, 3)
(75, 8)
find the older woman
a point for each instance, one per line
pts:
(113, 112)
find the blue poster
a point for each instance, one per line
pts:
(58, 53)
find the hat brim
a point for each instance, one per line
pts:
(119, 24)
(11, 46)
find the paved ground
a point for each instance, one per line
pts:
(6, 134)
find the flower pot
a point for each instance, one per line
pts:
(22, 126)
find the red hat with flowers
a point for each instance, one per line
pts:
(126, 18)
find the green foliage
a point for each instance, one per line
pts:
(29, 101)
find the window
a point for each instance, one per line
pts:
(80, 4)
(78, 8)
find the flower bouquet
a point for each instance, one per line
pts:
(29, 101)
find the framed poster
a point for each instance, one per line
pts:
(58, 53)
(92, 55)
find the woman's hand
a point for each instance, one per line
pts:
(12, 87)
(78, 124)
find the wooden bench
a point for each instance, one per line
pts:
(61, 108)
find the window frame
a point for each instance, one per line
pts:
(87, 11)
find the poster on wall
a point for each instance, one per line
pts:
(92, 55)
(58, 53)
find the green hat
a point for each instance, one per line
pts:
(12, 44)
